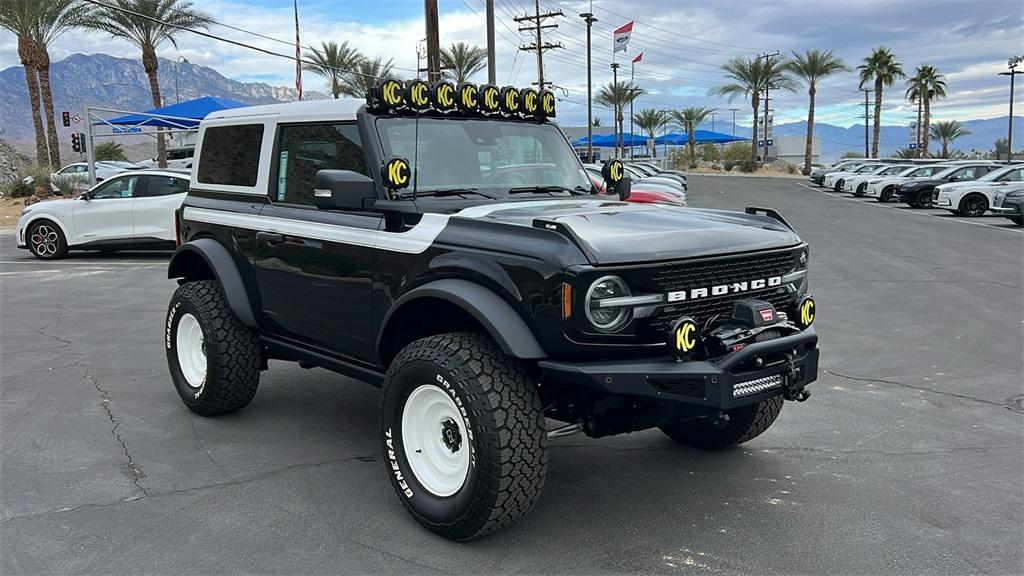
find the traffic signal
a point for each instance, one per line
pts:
(78, 141)
(66, 118)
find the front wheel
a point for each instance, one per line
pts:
(973, 205)
(924, 199)
(886, 195)
(861, 189)
(46, 241)
(745, 423)
(839, 186)
(214, 359)
(463, 436)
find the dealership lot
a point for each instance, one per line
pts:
(907, 458)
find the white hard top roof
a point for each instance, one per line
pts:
(307, 110)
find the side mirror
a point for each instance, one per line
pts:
(84, 196)
(343, 190)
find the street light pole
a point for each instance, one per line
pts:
(589, 19)
(615, 121)
(734, 121)
(177, 96)
(1012, 62)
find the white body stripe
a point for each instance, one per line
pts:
(414, 241)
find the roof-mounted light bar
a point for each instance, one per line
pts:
(466, 99)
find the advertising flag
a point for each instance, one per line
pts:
(638, 58)
(621, 38)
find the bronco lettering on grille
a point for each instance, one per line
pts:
(723, 289)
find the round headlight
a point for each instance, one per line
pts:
(607, 318)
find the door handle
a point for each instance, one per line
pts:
(270, 237)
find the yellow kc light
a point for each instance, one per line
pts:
(547, 103)
(510, 100)
(395, 173)
(684, 337)
(530, 101)
(490, 98)
(443, 96)
(391, 93)
(417, 94)
(805, 310)
(469, 97)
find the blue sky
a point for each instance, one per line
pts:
(683, 45)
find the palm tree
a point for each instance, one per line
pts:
(147, 24)
(366, 74)
(618, 95)
(333, 61)
(689, 119)
(882, 69)
(749, 77)
(18, 16)
(53, 18)
(108, 151)
(926, 85)
(461, 61)
(812, 66)
(651, 120)
(947, 132)
(596, 121)
(905, 153)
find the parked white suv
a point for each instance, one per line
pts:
(132, 210)
(883, 187)
(974, 198)
(178, 158)
(857, 184)
(835, 180)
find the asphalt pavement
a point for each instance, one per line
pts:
(907, 459)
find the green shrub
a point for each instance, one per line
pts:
(39, 183)
(68, 184)
(791, 168)
(710, 153)
(747, 165)
(109, 151)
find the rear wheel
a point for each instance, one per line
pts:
(463, 435)
(861, 188)
(973, 205)
(46, 241)
(745, 423)
(214, 359)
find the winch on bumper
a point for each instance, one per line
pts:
(724, 369)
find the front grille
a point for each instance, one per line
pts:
(741, 389)
(707, 273)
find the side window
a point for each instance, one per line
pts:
(305, 149)
(153, 186)
(964, 174)
(231, 155)
(116, 188)
(1013, 176)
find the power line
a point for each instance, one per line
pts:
(538, 26)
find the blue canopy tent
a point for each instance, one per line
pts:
(183, 115)
(608, 140)
(699, 137)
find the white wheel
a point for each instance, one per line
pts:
(191, 349)
(435, 440)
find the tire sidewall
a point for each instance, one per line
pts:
(179, 307)
(421, 502)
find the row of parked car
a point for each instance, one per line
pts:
(964, 187)
(649, 183)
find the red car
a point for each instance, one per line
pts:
(641, 196)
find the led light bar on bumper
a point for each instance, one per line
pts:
(417, 96)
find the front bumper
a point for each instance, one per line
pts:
(790, 364)
(942, 201)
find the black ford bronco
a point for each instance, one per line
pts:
(445, 244)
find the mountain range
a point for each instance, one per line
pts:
(122, 84)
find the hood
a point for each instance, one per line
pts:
(612, 232)
(921, 183)
(49, 204)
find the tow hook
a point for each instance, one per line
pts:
(791, 392)
(721, 420)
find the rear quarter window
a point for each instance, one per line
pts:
(230, 155)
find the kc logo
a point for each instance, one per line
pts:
(491, 98)
(391, 92)
(685, 337)
(468, 96)
(418, 94)
(548, 103)
(807, 312)
(444, 95)
(395, 173)
(530, 101)
(512, 100)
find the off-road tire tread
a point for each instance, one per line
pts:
(505, 406)
(237, 351)
(745, 424)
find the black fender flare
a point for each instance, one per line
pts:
(495, 314)
(220, 262)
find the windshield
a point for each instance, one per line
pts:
(490, 157)
(867, 168)
(893, 170)
(946, 171)
(1000, 174)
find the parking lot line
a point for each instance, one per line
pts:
(898, 211)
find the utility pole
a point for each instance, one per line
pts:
(539, 45)
(1012, 63)
(589, 19)
(917, 146)
(632, 71)
(767, 89)
(433, 41)
(615, 121)
(491, 65)
(734, 121)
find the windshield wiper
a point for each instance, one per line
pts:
(547, 189)
(447, 192)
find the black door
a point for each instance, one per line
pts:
(314, 268)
